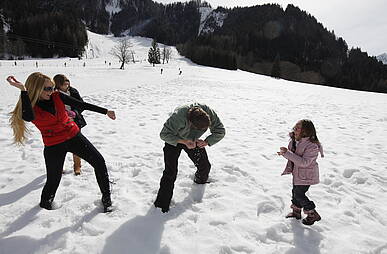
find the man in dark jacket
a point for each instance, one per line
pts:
(182, 131)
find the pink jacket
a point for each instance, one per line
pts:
(305, 171)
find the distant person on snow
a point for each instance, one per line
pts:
(62, 84)
(182, 131)
(302, 153)
(39, 104)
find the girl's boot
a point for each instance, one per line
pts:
(311, 218)
(296, 213)
(77, 165)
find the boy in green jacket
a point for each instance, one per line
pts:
(183, 130)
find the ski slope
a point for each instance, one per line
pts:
(242, 210)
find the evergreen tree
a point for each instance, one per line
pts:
(3, 39)
(154, 53)
(276, 70)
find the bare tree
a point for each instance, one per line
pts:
(133, 53)
(166, 54)
(122, 51)
(163, 53)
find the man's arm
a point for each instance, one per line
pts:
(170, 131)
(217, 129)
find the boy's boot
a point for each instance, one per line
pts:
(296, 213)
(77, 165)
(311, 218)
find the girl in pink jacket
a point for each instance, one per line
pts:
(302, 154)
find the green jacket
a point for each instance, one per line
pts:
(177, 126)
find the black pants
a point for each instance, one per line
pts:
(299, 198)
(55, 155)
(171, 156)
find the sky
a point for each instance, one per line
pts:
(360, 23)
(242, 210)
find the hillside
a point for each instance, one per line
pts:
(242, 210)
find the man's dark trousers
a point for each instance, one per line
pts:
(167, 182)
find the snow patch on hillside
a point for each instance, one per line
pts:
(212, 21)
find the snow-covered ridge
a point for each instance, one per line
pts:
(204, 12)
(6, 26)
(211, 20)
(113, 6)
(382, 58)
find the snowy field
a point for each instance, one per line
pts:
(242, 210)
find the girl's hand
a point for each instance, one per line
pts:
(14, 82)
(111, 114)
(282, 151)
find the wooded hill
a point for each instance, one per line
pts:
(284, 43)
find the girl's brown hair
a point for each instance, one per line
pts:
(309, 131)
(59, 79)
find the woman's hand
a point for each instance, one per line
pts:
(111, 114)
(282, 151)
(14, 82)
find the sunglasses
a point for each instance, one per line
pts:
(48, 88)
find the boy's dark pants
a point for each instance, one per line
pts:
(171, 156)
(299, 198)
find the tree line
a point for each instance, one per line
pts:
(267, 39)
(41, 28)
(289, 44)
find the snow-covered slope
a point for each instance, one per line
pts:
(383, 58)
(242, 210)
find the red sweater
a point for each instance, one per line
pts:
(57, 128)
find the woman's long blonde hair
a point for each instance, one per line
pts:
(34, 85)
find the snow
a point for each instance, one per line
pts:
(382, 58)
(211, 19)
(204, 12)
(242, 210)
(113, 7)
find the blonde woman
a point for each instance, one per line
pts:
(39, 104)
